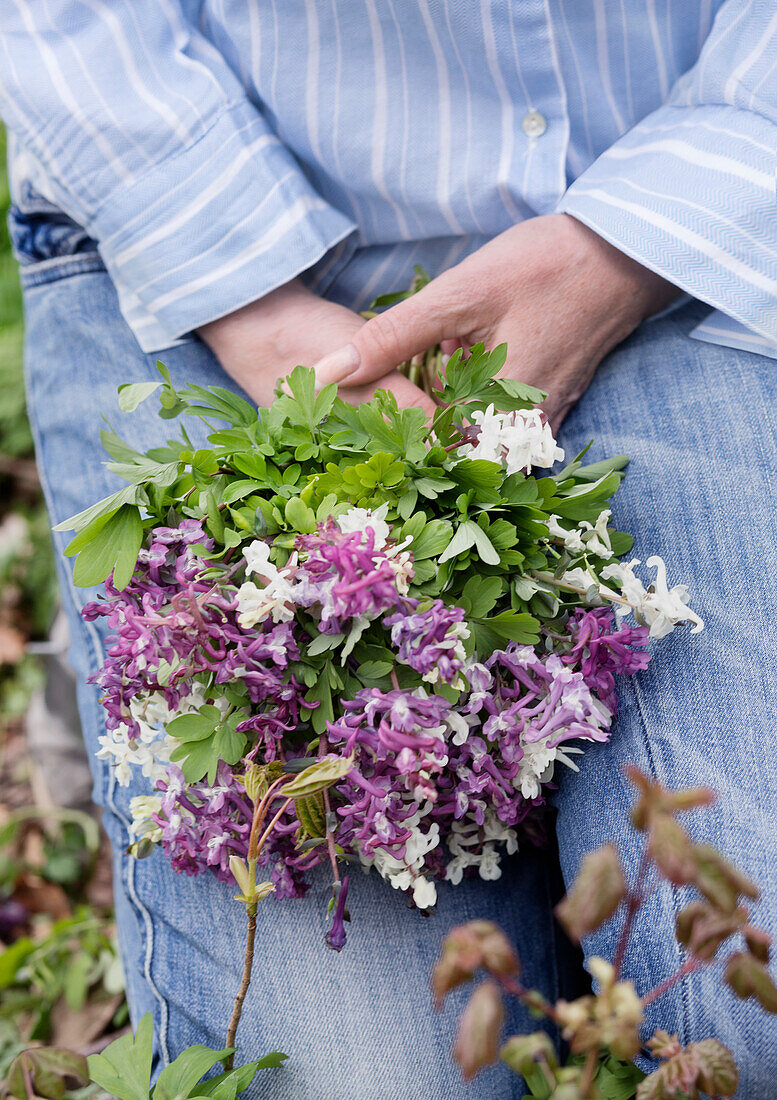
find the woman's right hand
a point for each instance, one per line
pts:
(265, 340)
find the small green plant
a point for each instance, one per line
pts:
(123, 1070)
(603, 1030)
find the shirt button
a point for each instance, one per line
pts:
(534, 124)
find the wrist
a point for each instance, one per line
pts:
(626, 287)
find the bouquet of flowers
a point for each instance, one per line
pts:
(353, 633)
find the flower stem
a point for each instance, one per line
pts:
(323, 749)
(548, 578)
(587, 1079)
(635, 899)
(254, 848)
(273, 823)
(248, 964)
(687, 968)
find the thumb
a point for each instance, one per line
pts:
(407, 329)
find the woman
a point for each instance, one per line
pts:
(224, 185)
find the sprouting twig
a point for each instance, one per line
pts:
(635, 899)
(248, 964)
(687, 968)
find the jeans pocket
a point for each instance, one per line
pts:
(47, 244)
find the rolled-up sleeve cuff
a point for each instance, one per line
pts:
(690, 194)
(217, 226)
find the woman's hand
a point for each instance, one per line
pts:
(265, 340)
(560, 296)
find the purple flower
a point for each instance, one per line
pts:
(601, 649)
(344, 576)
(335, 937)
(436, 789)
(430, 641)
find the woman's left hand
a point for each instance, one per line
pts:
(557, 294)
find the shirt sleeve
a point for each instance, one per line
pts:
(689, 192)
(145, 137)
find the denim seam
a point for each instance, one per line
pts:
(41, 272)
(675, 894)
(95, 656)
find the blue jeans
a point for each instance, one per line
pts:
(699, 424)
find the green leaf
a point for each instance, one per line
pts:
(323, 643)
(299, 516)
(205, 744)
(487, 552)
(228, 744)
(194, 727)
(77, 980)
(129, 494)
(318, 777)
(124, 1067)
(114, 545)
(310, 812)
(322, 406)
(300, 408)
(180, 1077)
(432, 540)
(462, 540)
(242, 1075)
(477, 473)
(482, 594)
(528, 396)
(117, 448)
(49, 1070)
(133, 393)
(320, 692)
(238, 490)
(509, 626)
(12, 957)
(375, 670)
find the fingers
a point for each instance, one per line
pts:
(405, 330)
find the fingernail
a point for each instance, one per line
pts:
(337, 365)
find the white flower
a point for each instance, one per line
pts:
(536, 768)
(143, 825)
(363, 519)
(596, 537)
(573, 540)
(664, 608)
(406, 873)
(424, 893)
(399, 557)
(254, 604)
(401, 561)
(582, 579)
(661, 609)
(275, 597)
(459, 726)
(257, 559)
(519, 439)
(632, 589)
(489, 868)
(122, 751)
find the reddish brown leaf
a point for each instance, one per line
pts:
(596, 893)
(702, 928)
(749, 978)
(478, 1037)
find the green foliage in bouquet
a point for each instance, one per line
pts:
(276, 473)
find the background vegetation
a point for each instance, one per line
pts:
(60, 978)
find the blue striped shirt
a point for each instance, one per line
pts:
(215, 149)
